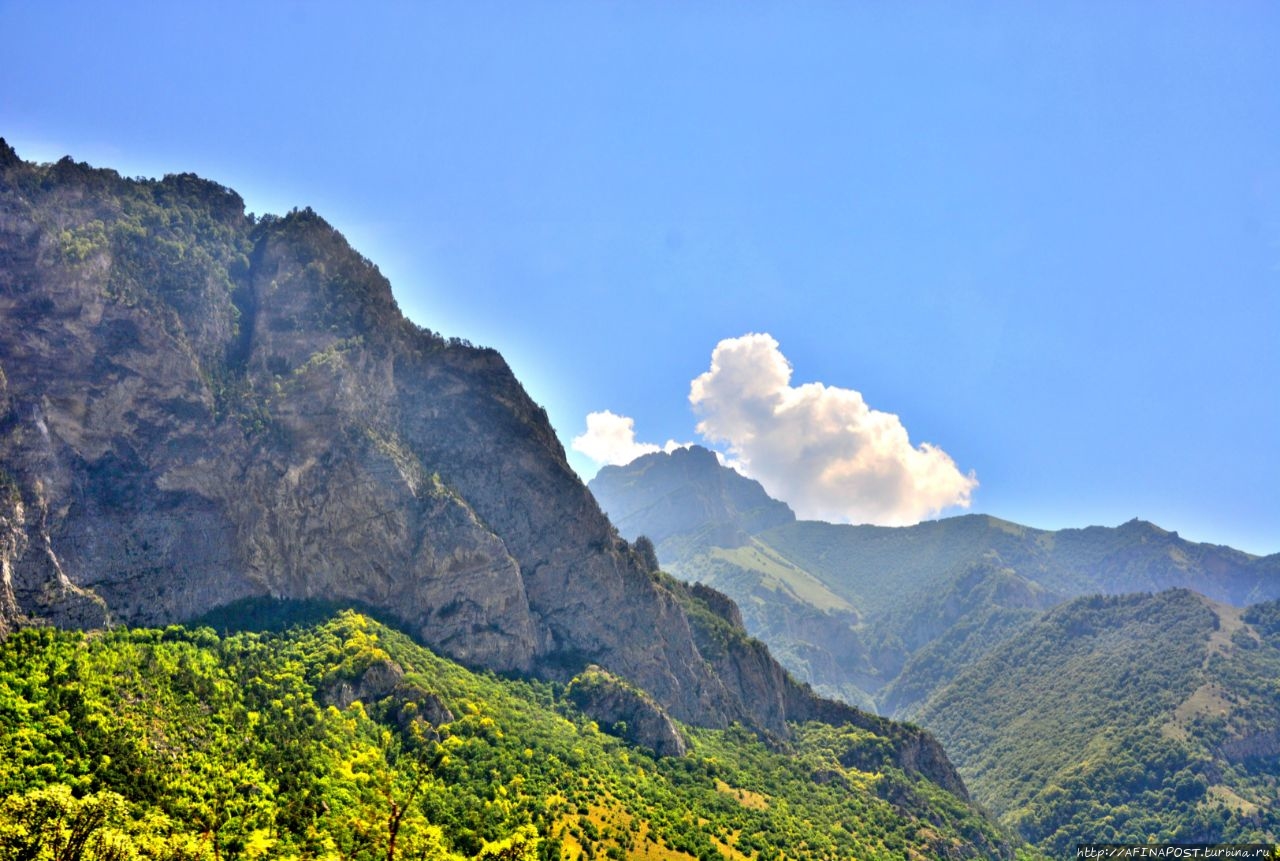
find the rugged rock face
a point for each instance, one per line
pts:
(746, 665)
(186, 426)
(671, 495)
(199, 407)
(374, 682)
(627, 712)
(12, 515)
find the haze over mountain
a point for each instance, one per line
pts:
(869, 612)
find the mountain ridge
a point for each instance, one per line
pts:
(847, 607)
(199, 407)
(1083, 690)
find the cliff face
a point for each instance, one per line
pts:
(627, 712)
(198, 407)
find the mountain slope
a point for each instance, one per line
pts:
(1073, 716)
(1112, 718)
(340, 738)
(881, 616)
(198, 407)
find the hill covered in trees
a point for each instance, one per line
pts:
(341, 738)
(1116, 718)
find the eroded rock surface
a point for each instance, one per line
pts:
(199, 407)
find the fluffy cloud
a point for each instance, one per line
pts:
(611, 439)
(820, 448)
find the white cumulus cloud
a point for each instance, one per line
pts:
(611, 439)
(820, 448)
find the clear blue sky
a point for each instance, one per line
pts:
(1045, 235)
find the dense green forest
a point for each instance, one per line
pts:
(343, 739)
(1118, 719)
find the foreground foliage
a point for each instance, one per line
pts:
(343, 739)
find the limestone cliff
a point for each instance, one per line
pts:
(199, 407)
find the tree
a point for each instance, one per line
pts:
(647, 553)
(51, 823)
(520, 846)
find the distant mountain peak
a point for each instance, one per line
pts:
(691, 457)
(1137, 524)
(683, 492)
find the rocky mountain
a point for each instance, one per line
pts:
(881, 616)
(685, 496)
(199, 408)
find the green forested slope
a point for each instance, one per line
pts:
(945, 629)
(343, 739)
(1119, 718)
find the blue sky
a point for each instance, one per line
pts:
(1046, 237)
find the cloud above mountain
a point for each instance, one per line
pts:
(611, 439)
(820, 448)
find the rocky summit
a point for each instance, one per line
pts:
(199, 407)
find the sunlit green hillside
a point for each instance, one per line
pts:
(343, 739)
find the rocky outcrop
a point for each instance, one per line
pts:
(375, 682)
(12, 538)
(1262, 745)
(746, 662)
(623, 710)
(717, 602)
(381, 682)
